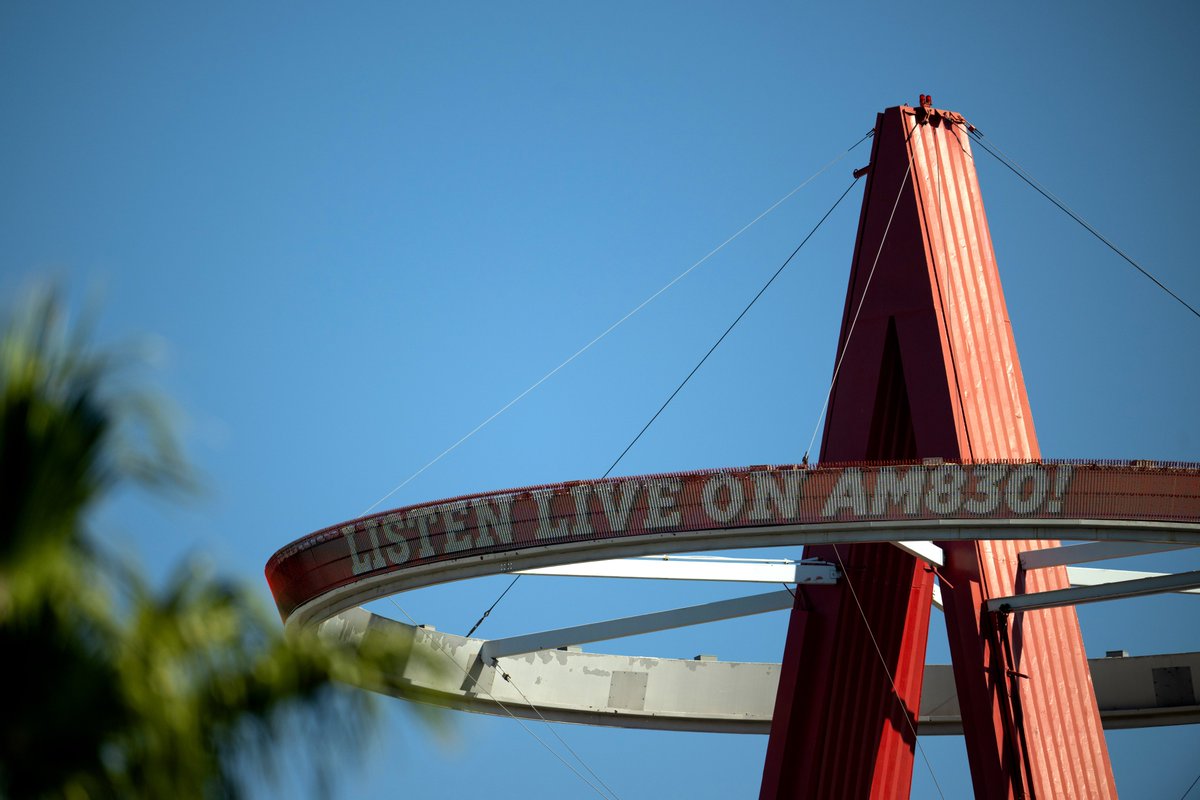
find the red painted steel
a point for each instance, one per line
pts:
(813, 624)
(835, 714)
(929, 369)
(1049, 736)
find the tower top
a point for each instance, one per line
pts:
(926, 114)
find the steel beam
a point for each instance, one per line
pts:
(1182, 581)
(1087, 576)
(633, 626)
(926, 551)
(694, 568)
(1090, 576)
(1091, 551)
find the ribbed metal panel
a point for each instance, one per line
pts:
(1062, 737)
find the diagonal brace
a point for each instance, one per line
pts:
(1091, 551)
(1091, 594)
(632, 626)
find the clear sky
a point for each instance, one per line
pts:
(351, 233)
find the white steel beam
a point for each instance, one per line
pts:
(926, 551)
(632, 626)
(1091, 594)
(692, 568)
(1090, 576)
(1091, 551)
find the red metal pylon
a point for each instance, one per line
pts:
(930, 371)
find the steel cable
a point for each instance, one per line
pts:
(632, 443)
(1020, 172)
(521, 722)
(732, 325)
(838, 366)
(1189, 789)
(616, 324)
(508, 679)
(479, 621)
(888, 673)
(696, 368)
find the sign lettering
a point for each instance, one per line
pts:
(727, 500)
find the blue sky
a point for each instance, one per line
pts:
(348, 235)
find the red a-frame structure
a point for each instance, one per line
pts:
(929, 369)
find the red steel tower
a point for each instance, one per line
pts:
(927, 368)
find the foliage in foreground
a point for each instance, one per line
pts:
(114, 689)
